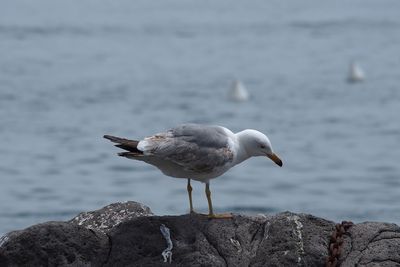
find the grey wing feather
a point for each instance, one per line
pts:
(207, 136)
(194, 147)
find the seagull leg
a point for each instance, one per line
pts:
(189, 189)
(208, 194)
(211, 214)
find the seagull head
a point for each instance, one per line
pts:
(256, 144)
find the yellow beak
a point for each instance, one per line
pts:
(275, 159)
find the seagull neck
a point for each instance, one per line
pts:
(242, 153)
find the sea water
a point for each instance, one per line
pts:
(72, 71)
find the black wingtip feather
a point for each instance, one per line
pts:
(111, 138)
(130, 148)
(129, 155)
(129, 145)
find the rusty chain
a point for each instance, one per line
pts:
(336, 242)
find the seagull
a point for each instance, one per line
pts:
(356, 74)
(197, 152)
(238, 92)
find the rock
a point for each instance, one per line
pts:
(127, 234)
(286, 239)
(109, 216)
(372, 244)
(54, 244)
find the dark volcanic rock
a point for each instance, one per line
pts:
(54, 244)
(372, 244)
(125, 234)
(108, 217)
(286, 239)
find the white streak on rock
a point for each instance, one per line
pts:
(297, 232)
(3, 239)
(236, 244)
(167, 253)
(285, 252)
(267, 230)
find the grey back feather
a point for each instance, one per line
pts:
(195, 147)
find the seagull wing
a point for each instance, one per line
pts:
(193, 147)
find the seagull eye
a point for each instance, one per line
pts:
(262, 146)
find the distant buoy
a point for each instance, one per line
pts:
(238, 92)
(356, 74)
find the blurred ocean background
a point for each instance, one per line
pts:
(71, 71)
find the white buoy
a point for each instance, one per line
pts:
(238, 92)
(356, 74)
